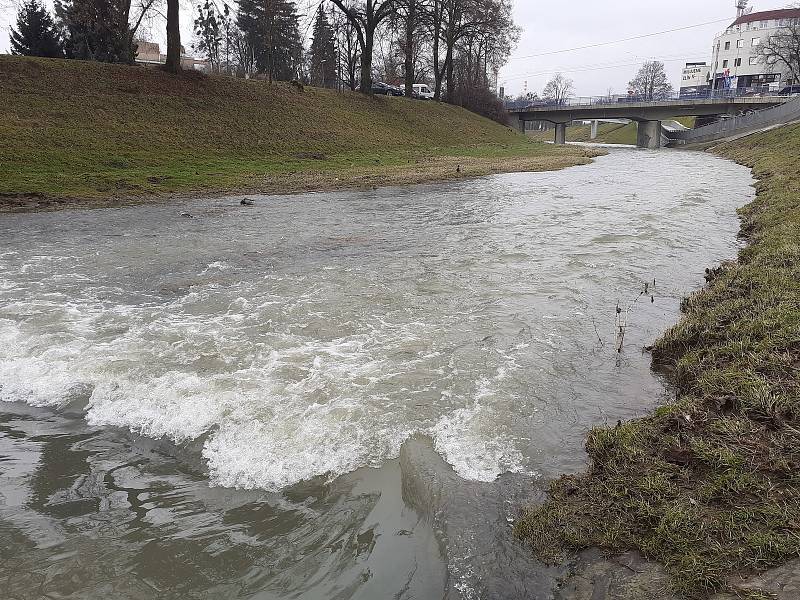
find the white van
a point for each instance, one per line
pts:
(422, 91)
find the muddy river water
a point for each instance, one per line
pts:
(339, 395)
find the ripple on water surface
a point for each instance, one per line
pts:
(311, 335)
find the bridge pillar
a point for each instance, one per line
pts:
(593, 134)
(561, 133)
(522, 127)
(648, 134)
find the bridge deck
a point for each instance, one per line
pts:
(644, 111)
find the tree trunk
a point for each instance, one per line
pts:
(448, 61)
(365, 86)
(125, 15)
(173, 64)
(437, 71)
(411, 24)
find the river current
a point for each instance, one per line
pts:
(204, 400)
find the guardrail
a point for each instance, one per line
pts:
(520, 105)
(754, 121)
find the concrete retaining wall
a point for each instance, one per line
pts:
(737, 125)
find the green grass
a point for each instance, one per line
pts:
(84, 130)
(607, 133)
(709, 485)
(686, 121)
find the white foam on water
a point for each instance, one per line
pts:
(461, 438)
(311, 408)
(320, 357)
(472, 439)
(279, 413)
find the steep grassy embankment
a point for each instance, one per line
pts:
(710, 485)
(80, 130)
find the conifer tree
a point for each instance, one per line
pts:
(96, 30)
(273, 32)
(36, 33)
(323, 52)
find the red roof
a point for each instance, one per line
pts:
(769, 15)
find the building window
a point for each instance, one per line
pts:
(727, 45)
(724, 64)
(738, 62)
(740, 43)
(756, 41)
(753, 61)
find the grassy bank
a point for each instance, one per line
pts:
(607, 133)
(94, 132)
(709, 485)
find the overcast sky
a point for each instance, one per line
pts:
(549, 26)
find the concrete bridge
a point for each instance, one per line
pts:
(647, 114)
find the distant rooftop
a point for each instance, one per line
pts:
(768, 15)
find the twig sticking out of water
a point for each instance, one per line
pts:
(619, 329)
(597, 333)
(621, 325)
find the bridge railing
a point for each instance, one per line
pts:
(750, 92)
(753, 120)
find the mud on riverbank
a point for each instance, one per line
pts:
(431, 169)
(708, 485)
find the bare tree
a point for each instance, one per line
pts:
(408, 12)
(244, 55)
(365, 20)
(448, 21)
(782, 50)
(559, 89)
(142, 10)
(347, 49)
(485, 46)
(651, 82)
(456, 25)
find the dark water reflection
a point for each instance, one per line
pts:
(100, 513)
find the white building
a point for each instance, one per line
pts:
(149, 53)
(736, 62)
(695, 80)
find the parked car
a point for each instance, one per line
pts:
(790, 90)
(423, 92)
(381, 89)
(384, 89)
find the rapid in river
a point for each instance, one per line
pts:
(332, 395)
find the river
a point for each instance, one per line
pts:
(338, 395)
